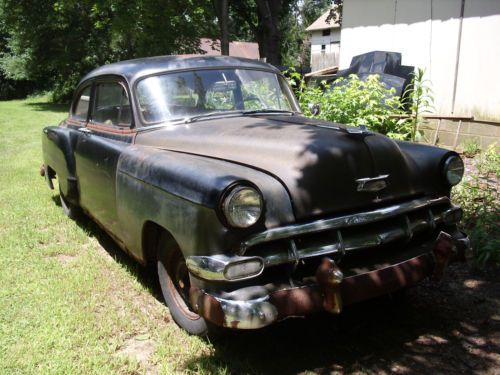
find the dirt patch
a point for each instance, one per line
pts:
(139, 348)
(64, 259)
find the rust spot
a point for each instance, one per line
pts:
(296, 302)
(443, 250)
(376, 283)
(206, 306)
(329, 278)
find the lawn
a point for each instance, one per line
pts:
(71, 302)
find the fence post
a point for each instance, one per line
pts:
(437, 131)
(456, 135)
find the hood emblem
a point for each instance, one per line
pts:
(372, 184)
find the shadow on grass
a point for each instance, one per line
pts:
(445, 328)
(146, 276)
(43, 107)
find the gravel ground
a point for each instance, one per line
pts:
(447, 328)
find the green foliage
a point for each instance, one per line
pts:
(55, 44)
(478, 196)
(420, 99)
(356, 102)
(471, 148)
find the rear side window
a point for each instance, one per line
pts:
(81, 108)
(112, 106)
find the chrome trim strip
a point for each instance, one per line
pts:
(339, 222)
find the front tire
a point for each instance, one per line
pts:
(174, 281)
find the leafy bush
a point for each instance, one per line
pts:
(478, 196)
(369, 102)
(471, 148)
(418, 96)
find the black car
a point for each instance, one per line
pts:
(205, 167)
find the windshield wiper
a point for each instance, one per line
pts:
(236, 112)
(277, 111)
(211, 114)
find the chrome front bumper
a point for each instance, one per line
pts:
(214, 267)
(274, 303)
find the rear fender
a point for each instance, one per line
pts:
(58, 155)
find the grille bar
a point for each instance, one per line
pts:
(342, 221)
(404, 227)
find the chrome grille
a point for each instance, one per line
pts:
(349, 233)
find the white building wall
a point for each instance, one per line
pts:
(329, 41)
(330, 55)
(426, 32)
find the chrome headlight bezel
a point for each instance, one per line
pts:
(453, 170)
(230, 202)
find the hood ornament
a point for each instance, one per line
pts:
(372, 184)
(360, 131)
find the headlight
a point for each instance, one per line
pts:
(453, 170)
(242, 206)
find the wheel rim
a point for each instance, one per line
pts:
(179, 284)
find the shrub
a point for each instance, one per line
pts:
(471, 148)
(478, 196)
(419, 99)
(353, 101)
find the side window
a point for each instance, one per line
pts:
(81, 108)
(112, 106)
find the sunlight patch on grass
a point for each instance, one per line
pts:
(66, 305)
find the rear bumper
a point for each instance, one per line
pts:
(328, 291)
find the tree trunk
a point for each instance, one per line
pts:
(222, 15)
(268, 32)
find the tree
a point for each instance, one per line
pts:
(222, 10)
(56, 45)
(263, 18)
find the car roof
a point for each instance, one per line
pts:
(132, 70)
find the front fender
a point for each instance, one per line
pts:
(428, 161)
(182, 192)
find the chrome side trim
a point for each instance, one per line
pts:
(339, 222)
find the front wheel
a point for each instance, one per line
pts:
(174, 281)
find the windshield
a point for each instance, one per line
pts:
(176, 96)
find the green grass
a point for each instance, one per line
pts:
(70, 302)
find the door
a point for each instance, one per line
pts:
(99, 145)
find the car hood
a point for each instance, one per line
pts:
(317, 162)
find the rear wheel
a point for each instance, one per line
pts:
(174, 281)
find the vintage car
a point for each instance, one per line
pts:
(251, 213)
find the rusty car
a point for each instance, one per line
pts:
(249, 212)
